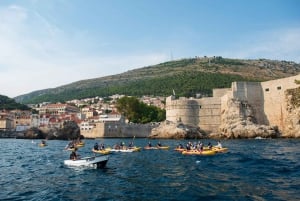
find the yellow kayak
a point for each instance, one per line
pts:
(196, 152)
(103, 151)
(179, 149)
(42, 145)
(135, 148)
(220, 150)
(163, 147)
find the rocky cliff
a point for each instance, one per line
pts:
(238, 121)
(292, 121)
(172, 130)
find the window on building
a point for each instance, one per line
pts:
(267, 89)
(279, 88)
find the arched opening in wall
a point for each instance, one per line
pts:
(279, 88)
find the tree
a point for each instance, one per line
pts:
(138, 112)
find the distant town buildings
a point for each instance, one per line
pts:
(94, 116)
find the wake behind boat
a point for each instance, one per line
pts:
(94, 161)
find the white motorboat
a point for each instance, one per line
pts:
(94, 161)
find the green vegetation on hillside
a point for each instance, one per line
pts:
(7, 103)
(186, 76)
(184, 84)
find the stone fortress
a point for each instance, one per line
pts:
(247, 109)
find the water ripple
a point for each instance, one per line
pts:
(251, 170)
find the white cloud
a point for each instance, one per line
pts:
(276, 44)
(36, 54)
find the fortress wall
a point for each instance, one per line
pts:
(220, 92)
(96, 132)
(274, 99)
(184, 110)
(210, 114)
(267, 99)
(250, 93)
(117, 129)
(137, 130)
(204, 112)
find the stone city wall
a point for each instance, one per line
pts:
(267, 99)
(183, 110)
(118, 130)
(210, 114)
(275, 101)
(250, 93)
(204, 112)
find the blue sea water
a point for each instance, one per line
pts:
(266, 169)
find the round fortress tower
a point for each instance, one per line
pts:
(182, 110)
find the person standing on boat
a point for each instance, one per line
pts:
(74, 156)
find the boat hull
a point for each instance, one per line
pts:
(95, 162)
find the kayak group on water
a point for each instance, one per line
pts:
(196, 148)
(199, 146)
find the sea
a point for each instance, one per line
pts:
(252, 169)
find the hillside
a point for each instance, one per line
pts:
(187, 77)
(7, 103)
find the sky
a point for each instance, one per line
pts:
(47, 44)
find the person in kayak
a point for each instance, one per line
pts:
(74, 155)
(96, 147)
(102, 147)
(159, 144)
(149, 144)
(130, 145)
(209, 145)
(219, 145)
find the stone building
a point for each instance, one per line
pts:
(6, 122)
(58, 109)
(268, 102)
